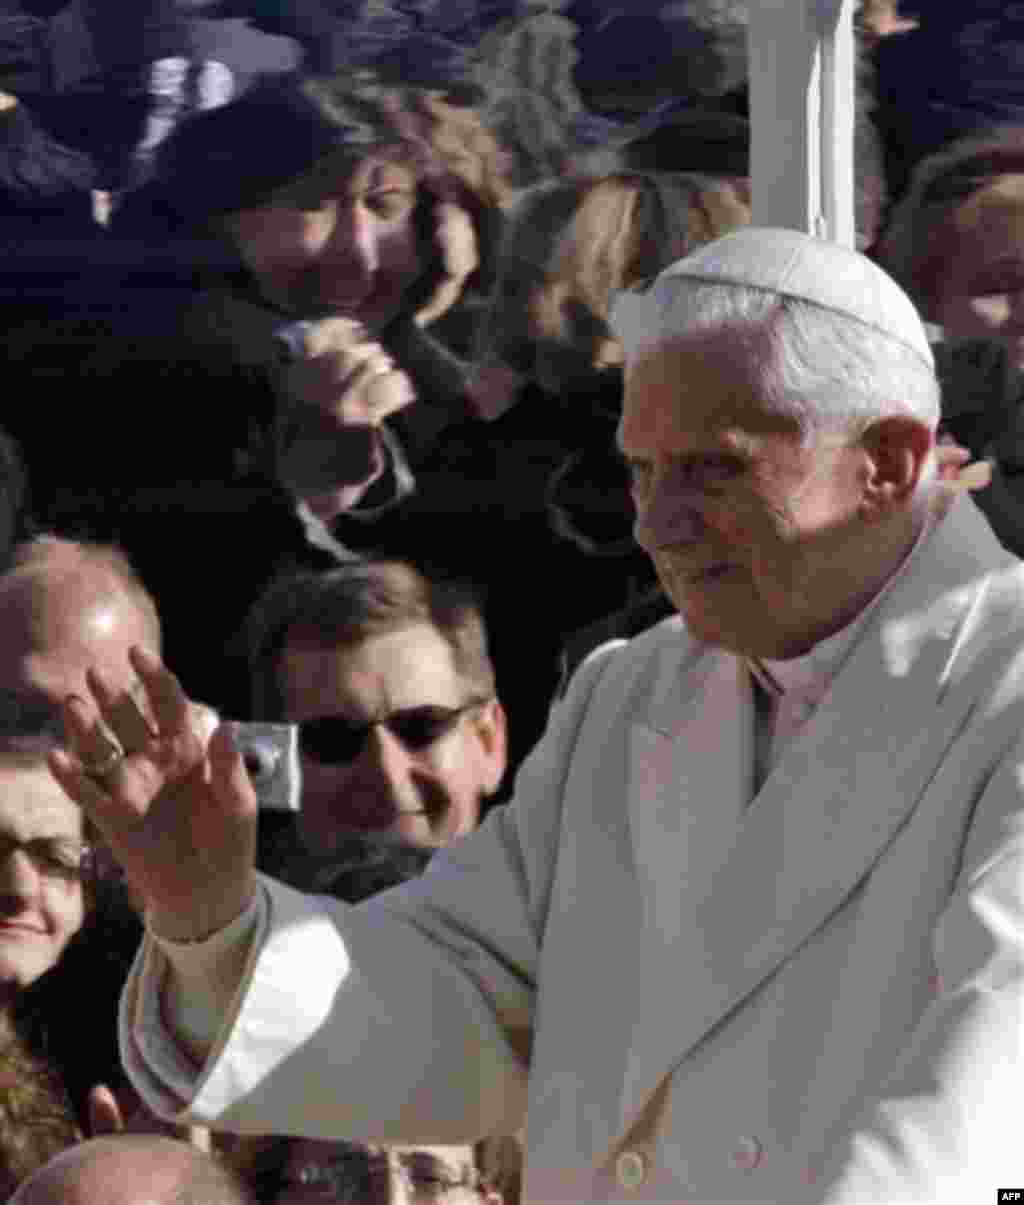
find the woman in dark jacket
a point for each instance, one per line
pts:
(218, 384)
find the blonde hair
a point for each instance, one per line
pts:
(624, 231)
(615, 232)
(464, 145)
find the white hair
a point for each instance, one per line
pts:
(824, 370)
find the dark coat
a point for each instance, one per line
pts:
(144, 413)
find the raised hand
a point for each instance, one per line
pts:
(177, 810)
(337, 367)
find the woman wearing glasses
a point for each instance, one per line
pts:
(43, 860)
(45, 896)
(68, 936)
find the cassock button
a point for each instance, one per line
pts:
(631, 1170)
(748, 1154)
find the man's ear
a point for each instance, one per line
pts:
(492, 728)
(897, 449)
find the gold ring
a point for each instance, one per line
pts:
(106, 765)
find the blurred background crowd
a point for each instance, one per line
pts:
(308, 385)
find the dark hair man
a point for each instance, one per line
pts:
(388, 677)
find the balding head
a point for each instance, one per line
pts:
(133, 1169)
(63, 607)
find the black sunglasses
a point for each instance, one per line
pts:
(333, 740)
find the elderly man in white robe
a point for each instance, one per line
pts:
(752, 928)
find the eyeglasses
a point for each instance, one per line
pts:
(56, 858)
(333, 740)
(361, 1178)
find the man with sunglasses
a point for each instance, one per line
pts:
(388, 678)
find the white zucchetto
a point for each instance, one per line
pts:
(787, 262)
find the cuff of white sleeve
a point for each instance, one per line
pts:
(205, 975)
(206, 958)
(181, 998)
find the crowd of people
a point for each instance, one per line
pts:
(369, 366)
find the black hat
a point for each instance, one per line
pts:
(234, 157)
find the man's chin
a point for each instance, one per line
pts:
(17, 973)
(709, 627)
(400, 827)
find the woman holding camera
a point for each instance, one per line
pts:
(258, 312)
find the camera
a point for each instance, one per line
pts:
(271, 756)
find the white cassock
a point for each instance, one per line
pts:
(813, 998)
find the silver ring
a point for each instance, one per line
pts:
(105, 767)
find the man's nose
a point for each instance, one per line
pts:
(384, 751)
(19, 879)
(385, 765)
(673, 514)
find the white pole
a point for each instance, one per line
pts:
(835, 20)
(801, 115)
